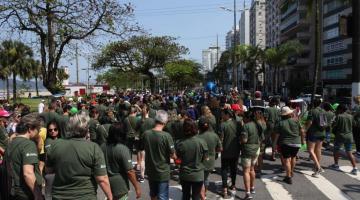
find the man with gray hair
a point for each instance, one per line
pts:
(159, 148)
(79, 164)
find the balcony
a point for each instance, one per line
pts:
(303, 35)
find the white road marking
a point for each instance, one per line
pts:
(325, 186)
(175, 192)
(347, 170)
(276, 190)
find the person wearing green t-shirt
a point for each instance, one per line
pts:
(146, 123)
(272, 116)
(23, 160)
(342, 129)
(119, 163)
(250, 138)
(330, 116)
(214, 145)
(192, 151)
(132, 125)
(231, 150)
(80, 170)
(315, 135)
(159, 149)
(4, 138)
(290, 139)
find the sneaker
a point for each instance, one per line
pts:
(288, 180)
(321, 170)
(354, 172)
(248, 196)
(141, 180)
(226, 196)
(335, 167)
(252, 190)
(316, 174)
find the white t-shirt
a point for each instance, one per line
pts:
(41, 107)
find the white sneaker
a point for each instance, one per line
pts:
(335, 167)
(354, 172)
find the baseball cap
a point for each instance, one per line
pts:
(73, 110)
(4, 113)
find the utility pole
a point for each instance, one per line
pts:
(88, 77)
(217, 48)
(77, 64)
(355, 49)
(235, 78)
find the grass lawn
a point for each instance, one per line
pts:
(33, 103)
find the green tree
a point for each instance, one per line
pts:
(16, 58)
(5, 72)
(253, 57)
(220, 70)
(183, 73)
(140, 54)
(277, 58)
(119, 79)
(56, 23)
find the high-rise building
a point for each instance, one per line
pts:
(273, 19)
(244, 26)
(258, 30)
(337, 51)
(258, 23)
(229, 40)
(297, 24)
(210, 57)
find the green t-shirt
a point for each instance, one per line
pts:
(230, 139)
(98, 132)
(48, 142)
(289, 131)
(213, 143)
(3, 137)
(22, 151)
(314, 117)
(76, 163)
(251, 133)
(343, 128)
(159, 146)
(146, 124)
(212, 121)
(133, 125)
(192, 151)
(272, 116)
(118, 162)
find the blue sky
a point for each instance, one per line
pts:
(194, 22)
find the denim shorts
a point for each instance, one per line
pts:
(159, 189)
(338, 145)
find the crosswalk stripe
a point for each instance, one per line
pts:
(276, 190)
(347, 170)
(325, 186)
(175, 192)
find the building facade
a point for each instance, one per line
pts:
(229, 40)
(258, 23)
(210, 57)
(337, 51)
(244, 26)
(273, 19)
(297, 24)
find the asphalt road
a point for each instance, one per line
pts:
(336, 185)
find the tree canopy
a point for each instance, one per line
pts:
(55, 23)
(140, 54)
(183, 73)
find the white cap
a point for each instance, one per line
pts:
(286, 111)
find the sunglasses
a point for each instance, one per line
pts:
(50, 130)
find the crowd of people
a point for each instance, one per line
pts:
(91, 142)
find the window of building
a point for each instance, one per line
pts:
(336, 60)
(334, 46)
(332, 33)
(336, 74)
(332, 5)
(331, 20)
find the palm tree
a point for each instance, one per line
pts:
(16, 58)
(253, 58)
(36, 73)
(277, 58)
(4, 73)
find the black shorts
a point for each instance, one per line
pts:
(42, 157)
(288, 151)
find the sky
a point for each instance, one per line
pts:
(195, 24)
